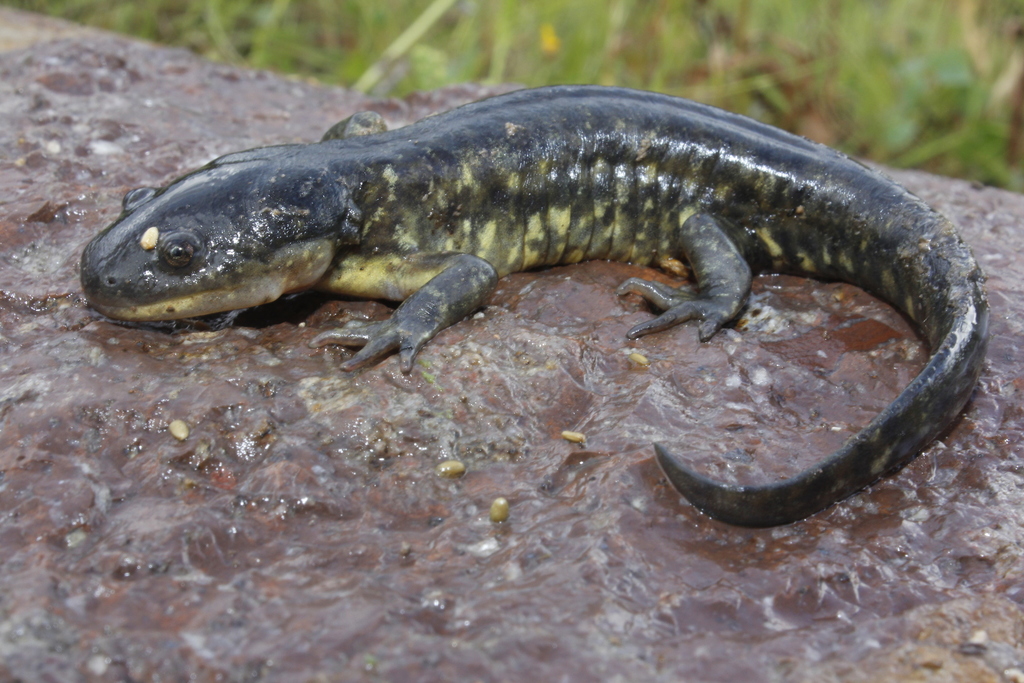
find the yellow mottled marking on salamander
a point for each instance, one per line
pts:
(645, 240)
(489, 246)
(806, 261)
(466, 177)
(535, 233)
(407, 241)
(559, 219)
(888, 282)
(623, 184)
(910, 307)
(685, 213)
(623, 226)
(391, 177)
(846, 263)
(378, 277)
(769, 242)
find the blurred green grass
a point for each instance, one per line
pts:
(931, 84)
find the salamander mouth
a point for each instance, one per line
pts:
(191, 306)
(293, 268)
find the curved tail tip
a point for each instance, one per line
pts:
(739, 505)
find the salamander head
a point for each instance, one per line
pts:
(237, 233)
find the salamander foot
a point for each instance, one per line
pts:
(378, 338)
(723, 278)
(679, 306)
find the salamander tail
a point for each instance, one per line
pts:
(920, 413)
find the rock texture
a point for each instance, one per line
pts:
(300, 532)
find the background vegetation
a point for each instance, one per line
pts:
(935, 84)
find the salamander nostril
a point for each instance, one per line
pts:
(111, 281)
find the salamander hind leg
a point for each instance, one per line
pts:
(462, 286)
(723, 281)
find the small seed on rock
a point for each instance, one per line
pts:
(1014, 675)
(453, 469)
(639, 359)
(575, 437)
(150, 238)
(75, 537)
(499, 510)
(674, 266)
(178, 429)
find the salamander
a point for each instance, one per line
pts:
(434, 213)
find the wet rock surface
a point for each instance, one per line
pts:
(301, 531)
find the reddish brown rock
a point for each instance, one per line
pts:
(300, 532)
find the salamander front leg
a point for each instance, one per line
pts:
(723, 280)
(462, 286)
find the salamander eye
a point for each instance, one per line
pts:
(178, 249)
(137, 196)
